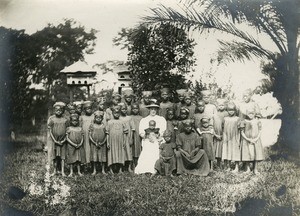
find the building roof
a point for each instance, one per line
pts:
(120, 68)
(79, 67)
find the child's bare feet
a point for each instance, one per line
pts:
(111, 171)
(63, 174)
(94, 173)
(235, 170)
(71, 174)
(248, 170)
(103, 172)
(80, 174)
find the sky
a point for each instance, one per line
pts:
(109, 16)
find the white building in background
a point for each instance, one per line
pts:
(123, 78)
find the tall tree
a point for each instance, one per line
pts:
(36, 59)
(158, 56)
(278, 19)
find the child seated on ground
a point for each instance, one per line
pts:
(152, 133)
(166, 163)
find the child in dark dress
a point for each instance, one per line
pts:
(165, 103)
(172, 124)
(75, 138)
(207, 133)
(166, 163)
(137, 140)
(128, 137)
(183, 115)
(116, 131)
(199, 113)
(57, 125)
(189, 105)
(97, 136)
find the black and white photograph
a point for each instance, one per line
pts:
(149, 107)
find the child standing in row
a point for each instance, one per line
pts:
(57, 125)
(251, 147)
(116, 131)
(97, 136)
(75, 138)
(218, 126)
(231, 138)
(137, 140)
(128, 139)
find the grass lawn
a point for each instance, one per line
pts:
(275, 191)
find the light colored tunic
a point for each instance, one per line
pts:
(218, 127)
(231, 139)
(116, 130)
(251, 152)
(75, 134)
(86, 122)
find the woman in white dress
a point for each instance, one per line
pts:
(150, 147)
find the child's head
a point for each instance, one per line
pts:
(184, 113)
(98, 117)
(74, 120)
(128, 96)
(231, 109)
(221, 104)
(200, 106)
(71, 108)
(187, 126)
(167, 136)
(116, 99)
(123, 109)
(206, 94)
(78, 107)
(187, 98)
(205, 122)
(58, 109)
(250, 114)
(180, 94)
(247, 96)
(135, 109)
(87, 106)
(116, 111)
(146, 96)
(101, 106)
(164, 94)
(152, 124)
(170, 114)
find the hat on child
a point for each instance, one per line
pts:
(221, 101)
(187, 122)
(165, 90)
(206, 93)
(77, 103)
(74, 115)
(167, 133)
(87, 104)
(153, 103)
(147, 93)
(99, 113)
(181, 91)
(60, 104)
(127, 92)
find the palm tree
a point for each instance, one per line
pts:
(278, 19)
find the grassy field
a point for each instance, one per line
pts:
(275, 191)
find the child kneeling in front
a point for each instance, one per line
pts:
(166, 164)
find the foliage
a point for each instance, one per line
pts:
(36, 59)
(221, 192)
(158, 56)
(278, 19)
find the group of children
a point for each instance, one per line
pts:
(108, 136)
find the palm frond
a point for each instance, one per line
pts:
(234, 50)
(195, 20)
